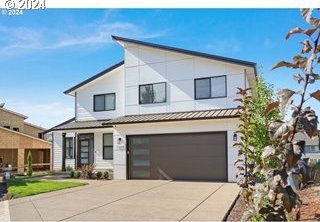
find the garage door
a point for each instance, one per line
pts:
(196, 156)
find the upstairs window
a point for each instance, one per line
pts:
(104, 102)
(212, 87)
(69, 148)
(153, 93)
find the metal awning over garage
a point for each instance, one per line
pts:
(176, 116)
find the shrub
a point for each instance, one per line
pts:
(87, 170)
(77, 174)
(106, 174)
(72, 174)
(99, 174)
(69, 168)
(29, 163)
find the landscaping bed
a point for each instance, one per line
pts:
(310, 208)
(237, 210)
(310, 197)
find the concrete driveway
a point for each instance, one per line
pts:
(129, 200)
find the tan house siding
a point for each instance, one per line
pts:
(12, 120)
(32, 130)
(13, 140)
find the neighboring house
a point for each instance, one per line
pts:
(312, 145)
(162, 113)
(17, 138)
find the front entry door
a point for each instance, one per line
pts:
(85, 149)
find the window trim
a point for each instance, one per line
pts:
(104, 94)
(72, 143)
(210, 97)
(165, 86)
(103, 146)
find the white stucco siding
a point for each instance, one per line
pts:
(121, 131)
(99, 162)
(57, 150)
(145, 65)
(112, 82)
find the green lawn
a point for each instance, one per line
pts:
(22, 187)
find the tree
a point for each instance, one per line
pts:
(272, 198)
(29, 163)
(254, 132)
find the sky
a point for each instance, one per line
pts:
(45, 52)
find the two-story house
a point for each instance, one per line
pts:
(162, 113)
(312, 146)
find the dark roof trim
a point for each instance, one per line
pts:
(94, 77)
(65, 122)
(80, 128)
(189, 52)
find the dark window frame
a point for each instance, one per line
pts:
(210, 97)
(72, 146)
(103, 146)
(151, 84)
(105, 94)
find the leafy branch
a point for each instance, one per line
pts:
(270, 197)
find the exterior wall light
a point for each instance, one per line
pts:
(119, 140)
(235, 136)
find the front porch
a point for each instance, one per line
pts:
(79, 143)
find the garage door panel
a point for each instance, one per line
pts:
(198, 156)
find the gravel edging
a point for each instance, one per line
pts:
(225, 218)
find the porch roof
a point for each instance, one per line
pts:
(73, 124)
(145, 118)
(176, 116)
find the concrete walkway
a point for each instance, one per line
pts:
(4, 211)
(129, 200)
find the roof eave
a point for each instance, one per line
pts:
(103, 72)
(185, 51)
(65, 122)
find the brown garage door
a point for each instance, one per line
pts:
(196, 156)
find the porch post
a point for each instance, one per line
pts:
(20, 164)
(63, 151)
(75, 150)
